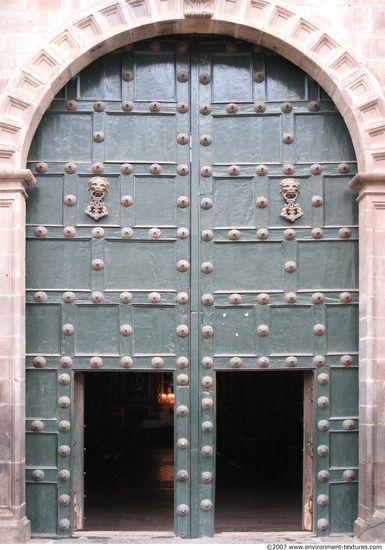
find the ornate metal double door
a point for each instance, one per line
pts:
(192, 214)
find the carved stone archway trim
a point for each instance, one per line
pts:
(111, 24)
(276, 25)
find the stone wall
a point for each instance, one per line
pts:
(26, 25)
(43, 43)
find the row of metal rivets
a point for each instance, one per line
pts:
(127, 105)
(127, 200)
(323, 450)
(289, 169)
(290, 298)
(125, 297)
(182, 232)
(289, 234)
(126, 232)
(182, 76)
(126, 330)
(125, 362)
(126, 168)
(64, 451)
(207, 267)
(259, 107)
(263, 234)
(66, 362)
(348, 425)
(291, 361)
(207, 403)
(260, 202)
(63, 475)
(348, 475)
(182, 475)
(182, 298)
(206, 331)
(207, 362)
(182, 265)
(233, 170)
(262, 170)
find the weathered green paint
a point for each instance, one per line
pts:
(249, 266)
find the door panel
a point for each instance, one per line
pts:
(341, 208)
(325, 131)
(147, 137)
(57, 273)
(57, 135)
(241, 138)
(229, 257)
(43, 328)
(194, 269)
(232, 76)
(274, 298)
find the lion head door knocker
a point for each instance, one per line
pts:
(289, 189)
(98, 188)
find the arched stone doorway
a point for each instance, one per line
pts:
(274, 25)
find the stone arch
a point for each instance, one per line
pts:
(111, 24)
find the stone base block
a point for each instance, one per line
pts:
(15, 532)
(370, 531)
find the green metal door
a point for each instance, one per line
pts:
(192, 214)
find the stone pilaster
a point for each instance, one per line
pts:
(370, 525)
(14, 526)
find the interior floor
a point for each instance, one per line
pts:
(133, 493)
(129, 481)
(248, 503)
(136, 494)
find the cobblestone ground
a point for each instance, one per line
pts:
(151, 538)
